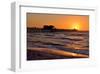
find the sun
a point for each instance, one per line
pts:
(76, 26)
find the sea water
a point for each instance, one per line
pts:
(75, 41)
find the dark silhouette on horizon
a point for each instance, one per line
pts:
(48, 28)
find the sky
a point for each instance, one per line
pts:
(60, 21)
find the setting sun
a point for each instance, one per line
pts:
(76, 26)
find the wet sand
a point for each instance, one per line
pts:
(46, 53)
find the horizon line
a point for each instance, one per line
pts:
(59, 29)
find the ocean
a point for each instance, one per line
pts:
(74, 41)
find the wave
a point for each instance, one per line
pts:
(77, 42)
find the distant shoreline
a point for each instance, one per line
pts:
(33, 29)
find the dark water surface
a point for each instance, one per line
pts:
(76, 41)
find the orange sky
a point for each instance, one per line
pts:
(80, 22)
